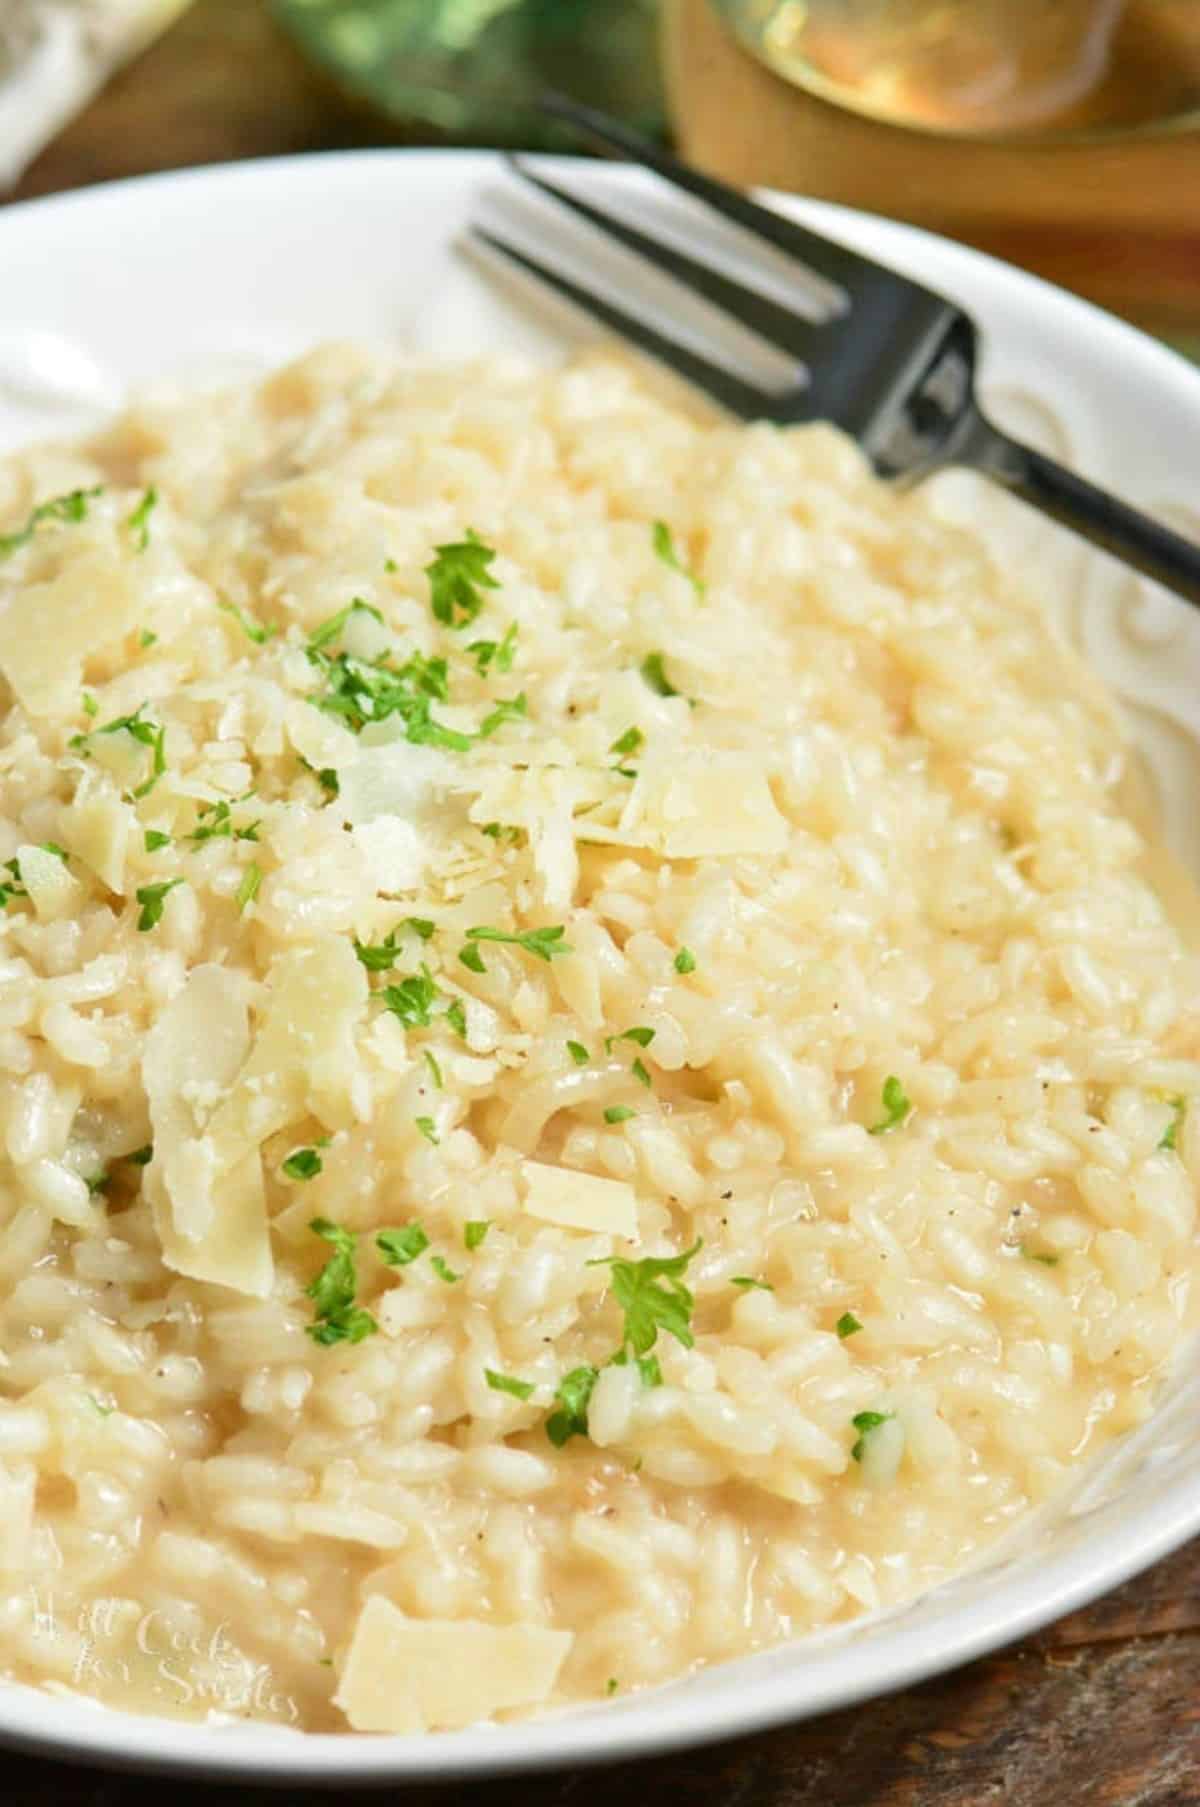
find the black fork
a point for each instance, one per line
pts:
(889, 361)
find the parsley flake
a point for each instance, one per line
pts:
(331, 630)
(1170, 1136)
(89, 704)
(443, 1270)
(573, 1396)
(864, 1423)
(475, 1231)
(847, 1325)
(401, 1247)
(748, 1284)
(152, 899)
(578, 1053)
(147, 734)
(654, 673)
(70, 508)
(685, 961)
(253, 630)
(653, 1297)
(618, 1113)
(247, 891)
(471, 958)
(458, 573)
(413, 999)
(640, 1072)
(303, 1164)
(664, 548)
(504, 1383)
(508, 710)
(138, 522)
(456, 1016)
(435, 1072)
(896, 1105)
(545, 943)
(629, 742)
(141, 1157)
(499, 653)
(338, 1319)
(426, 1127)
(154, 839)
(147, 639)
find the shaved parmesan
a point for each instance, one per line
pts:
(304, 1057)
(715, 807)
(394, 853)
(211, 1221)
(579, 1201)
(422, 1675)
(96, 828)
(50, 630)
(52, 890)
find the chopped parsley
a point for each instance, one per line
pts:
(504, 1383)
(89, 704)
(639, 1034)
(847, 1325)
(475, 1230)
(664, 547)
(420, 926)
(471, 958)
(865, 1423)
(60, 853)
(379, 956)
(896, 1106)
(618, 1113)
(325, 775)
(748, 1284)
(499, 653)
(70, 508)
(13, 886)
(139, 521)
(640, 1072)
(216, 823)
(443, 1270)
(303, 1164)
(508, 710)
(338, 1319)
(573, 1395)
(456, 1016)
(154, 839)
(253, 630)
(458, 574)
(152, 899)
(357, 692)
(654, 673)
(545, 943)
(146, 733)
(400, 1247)
(426, 1127)
(102, 1411)
(611, 1686)
(331, 630)
(99, 1183)
(1170, 1136)
(653, 1297)
(629, 742)
(435, 1072)
(146, 638)
(413, 999)
(685, 961)
(247, 891)
(141, 1157)
(578, 1053)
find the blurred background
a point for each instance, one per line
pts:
(1061, 134)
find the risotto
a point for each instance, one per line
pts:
(590, 1074)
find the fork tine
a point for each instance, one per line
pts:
(729, 390)
(837, 264)
(789, 331)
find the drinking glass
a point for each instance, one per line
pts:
(988, 68)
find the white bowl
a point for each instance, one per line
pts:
(220, 272)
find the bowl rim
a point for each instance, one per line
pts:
(659, 1721)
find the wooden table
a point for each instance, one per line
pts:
(1102, 1710)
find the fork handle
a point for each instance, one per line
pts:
(1126, 532)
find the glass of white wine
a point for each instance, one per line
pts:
(989, 68)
